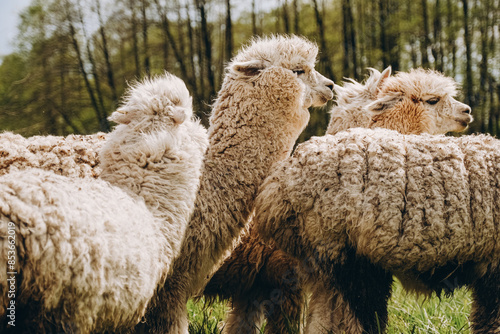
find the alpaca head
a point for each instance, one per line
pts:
(155, 104)
(293, 53)
(355, 94)
(419, 101)
(352, 98)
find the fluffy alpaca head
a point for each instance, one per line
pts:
(290, 52)
(352, 98)
(155, 103)
(419, 101)
(156, 123)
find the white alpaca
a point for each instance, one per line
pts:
(91, 254)
(256, 270)
(260, 111)
(363, 205)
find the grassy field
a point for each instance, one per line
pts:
(406, 314)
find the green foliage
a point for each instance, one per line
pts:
(73, 61)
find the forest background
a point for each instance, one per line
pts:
(74, 59)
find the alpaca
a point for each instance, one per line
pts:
(260, 278)
(351, 101)
(91, 253)
(260, 111)
(363, 205)
(74, 155)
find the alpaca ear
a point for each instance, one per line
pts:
(384, 75)
(120, 116)
(248, 68)
(386, 102)
(179, 115)
(376, 79)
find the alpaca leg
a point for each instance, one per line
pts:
(330, 313)
(283, 300)
(486, 304)
(245, 317)
(283, 311)
(168, 312)
(365, 288)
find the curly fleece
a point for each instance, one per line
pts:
(73, 155)
(92, 253)
(408, 204)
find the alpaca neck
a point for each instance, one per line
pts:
(147, 168)
(235, 166)
(404, 119)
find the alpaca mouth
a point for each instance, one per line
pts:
(320, 100)
(464, 121)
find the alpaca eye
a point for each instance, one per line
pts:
(298, 72)
(433, 101)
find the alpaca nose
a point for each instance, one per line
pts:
(329, 84)
(467, 110)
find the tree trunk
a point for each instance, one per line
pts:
(323, 56)
(173, 44)
(296, 17)
(103, 122)
(135, 41)
(147, 66)
(451, 36)
(207, 45)
(93, 67)
(350, 52)
(437, 45)
(469, 98)
(192, 53)
(229, 33)
(286, 19)
(254, 19)
(384, 44)
(105, 49)
(425, 42)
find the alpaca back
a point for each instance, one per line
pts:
(407, 202)
(73, 155)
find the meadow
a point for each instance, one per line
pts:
(407, 314)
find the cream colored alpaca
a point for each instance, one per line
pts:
(256, 270)
(428, 106)
(418, 101)
(363, 205)
(90, 254)
(351, 101)
(260, 111)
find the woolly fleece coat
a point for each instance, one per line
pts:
(74, 155)
(405, 202)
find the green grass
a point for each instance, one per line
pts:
(206, 319)
(407, 314)
(429, 316)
